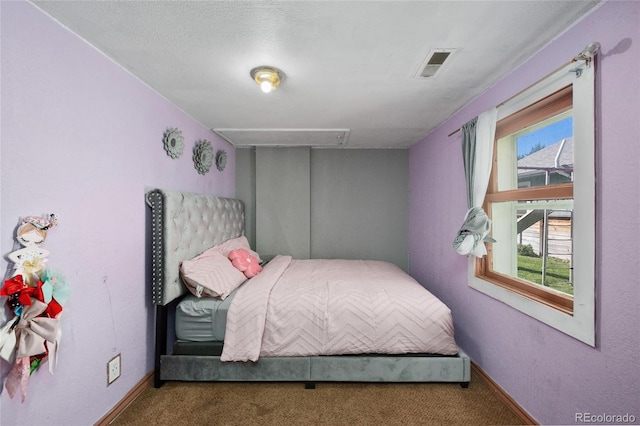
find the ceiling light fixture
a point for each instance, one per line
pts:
(268, 78)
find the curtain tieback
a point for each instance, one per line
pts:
(473, 233)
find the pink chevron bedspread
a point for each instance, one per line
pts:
(335, 307)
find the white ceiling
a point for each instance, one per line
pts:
(349, 65)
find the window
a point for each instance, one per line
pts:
(541, 200)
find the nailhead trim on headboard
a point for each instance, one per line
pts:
(154, 199)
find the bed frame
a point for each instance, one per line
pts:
(184, 225)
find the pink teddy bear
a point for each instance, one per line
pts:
(245, 262)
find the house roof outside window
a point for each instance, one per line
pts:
(554, 157)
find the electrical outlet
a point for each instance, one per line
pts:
(113, 369)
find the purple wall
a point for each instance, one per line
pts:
(549, 374)
(82, 138)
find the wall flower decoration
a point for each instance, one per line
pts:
(202, 156)
(173, 142)
(221, 159)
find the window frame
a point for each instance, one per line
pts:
(575, 315)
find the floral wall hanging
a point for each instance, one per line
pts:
(173, 142)
(36, 296)
(203, 156)
(221, 159)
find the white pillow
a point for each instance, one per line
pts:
(211, 274)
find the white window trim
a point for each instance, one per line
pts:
(580, 325)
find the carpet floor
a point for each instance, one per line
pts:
(223, 403)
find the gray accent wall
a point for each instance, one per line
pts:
(283, 206)
(246, 190)
(357, 202)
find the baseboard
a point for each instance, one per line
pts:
(146, 382)
(502, 395)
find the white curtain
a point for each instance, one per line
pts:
(477, 147)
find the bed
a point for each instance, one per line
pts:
(211, 342)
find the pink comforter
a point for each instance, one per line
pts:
(335, 307)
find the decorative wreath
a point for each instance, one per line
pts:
(221, 159)
(202, 156)
(173, 142)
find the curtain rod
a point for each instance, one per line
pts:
(586, 55)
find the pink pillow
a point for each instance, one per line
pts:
(245, 262)
(211, 274)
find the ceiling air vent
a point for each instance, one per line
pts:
(434, 61)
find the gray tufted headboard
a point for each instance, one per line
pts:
(183, 225)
